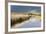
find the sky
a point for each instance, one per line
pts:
(22, 9)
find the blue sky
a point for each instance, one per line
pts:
(22, 9)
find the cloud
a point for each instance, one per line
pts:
(34, 11)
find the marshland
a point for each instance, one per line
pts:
(25, 16)
(19, 18)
